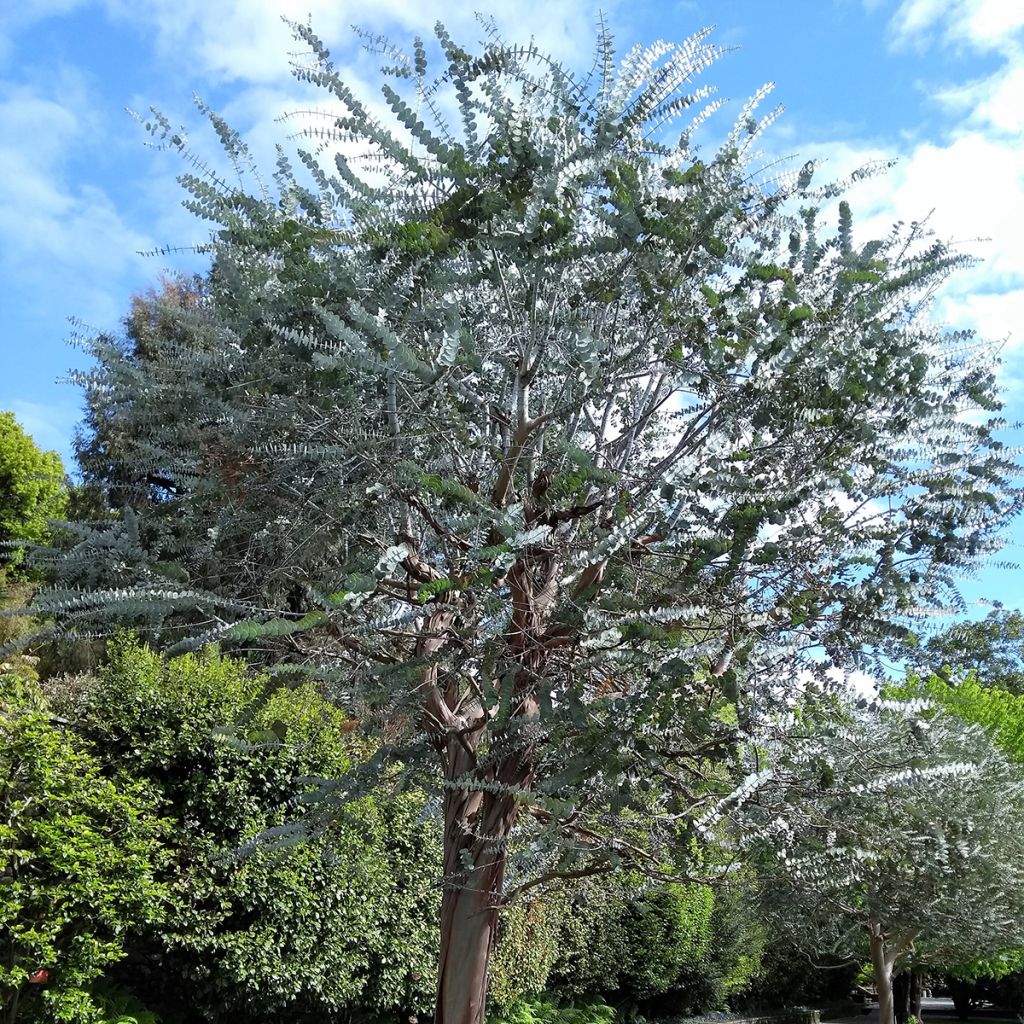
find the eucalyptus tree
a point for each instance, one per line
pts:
(550, 442)
(894, 832)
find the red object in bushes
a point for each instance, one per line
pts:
(39, 977)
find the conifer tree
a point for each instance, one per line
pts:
(552, 444)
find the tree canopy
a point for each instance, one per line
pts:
(555, 446)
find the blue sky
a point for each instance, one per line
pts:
(938, 84)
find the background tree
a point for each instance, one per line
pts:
(977, 697)
(562, 442)
(77, 865)
(32, 489)
(992, 648)
(902, 835)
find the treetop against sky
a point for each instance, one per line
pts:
(932, 84)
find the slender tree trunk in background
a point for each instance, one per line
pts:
(882, 960)
(961, 992)
(916, 992)
(901, 997)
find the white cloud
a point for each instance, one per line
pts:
(978, 24)
(247, 40)
(52, 228)
(970, 181)
(993, 103)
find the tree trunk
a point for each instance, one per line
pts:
(477, 829)
(882, 960)
(916, 992)
(478, 822)
(961, 992)
(901, 997)
(469, 917)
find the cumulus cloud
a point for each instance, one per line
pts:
(968, 181)
(978, 24)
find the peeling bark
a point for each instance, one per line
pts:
(479, 822)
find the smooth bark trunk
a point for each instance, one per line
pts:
(469, 917)
(882, 961)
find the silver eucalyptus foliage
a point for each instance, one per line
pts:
(888, 833)
(555, 446)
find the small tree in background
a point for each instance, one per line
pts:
(993, 649)
(892, 832)
(32, 489)
(978, 697)
(549, 443)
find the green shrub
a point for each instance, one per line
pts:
(119, 1007)
(77, 856)
(622, 935)
(528, 944)
(15, 593)
(341, 922)
(657, 949)
(726, 966)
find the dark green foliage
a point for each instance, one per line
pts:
(789, 976)
(120, 1007)
(530, 940)
(675, 948)
(78, 865)
(665, 950)
(339, 923)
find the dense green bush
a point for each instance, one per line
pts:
(15, 593)
(655, 948)
(624, 936)
(77, 856)
(120, 1007)
(788, 977)
(338, 924)
(727, 964)
(530, 936)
